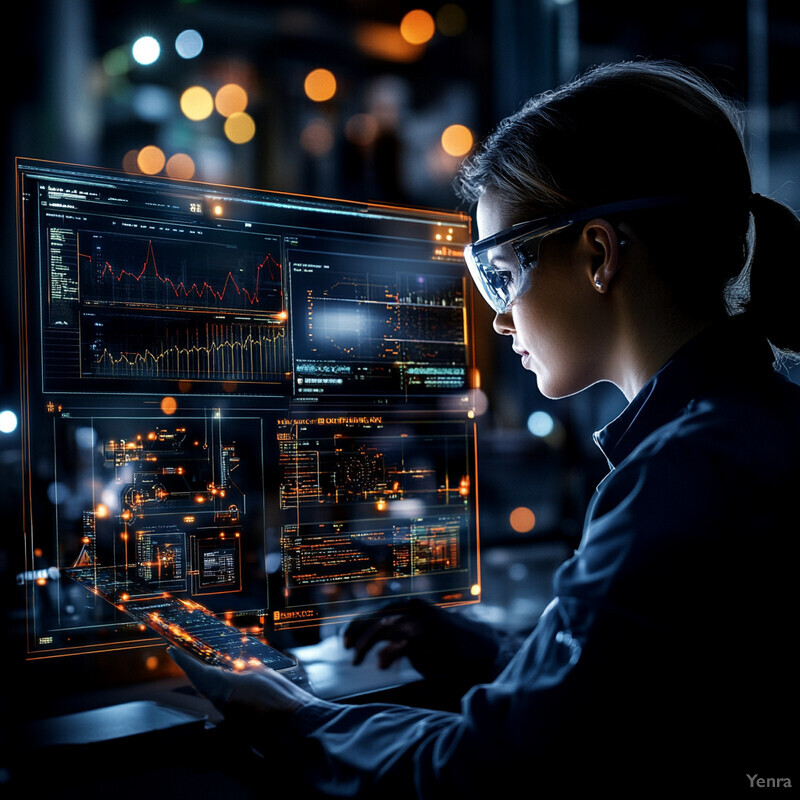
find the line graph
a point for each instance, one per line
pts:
(121, 346)
(221, 275)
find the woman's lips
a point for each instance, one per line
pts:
(524, 355)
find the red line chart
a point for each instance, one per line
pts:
(152, 285)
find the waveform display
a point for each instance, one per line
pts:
(122, 270)
(174, 347)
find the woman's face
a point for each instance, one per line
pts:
(555, 326)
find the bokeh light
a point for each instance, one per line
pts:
(153, 103)
(522, 519)
(320, 85)
(240, 127)
(317, 137)
(451, 20)
(180, 166)
(380, 40)
(362, 129)
(151, 160)
(189, 44)
(146, 50)
(457, 140)
(417, 27)
(197, 103)
(8, 421)
(541, 424)
(116, 62)
(169, 405)
(230, 99)
(129, 161)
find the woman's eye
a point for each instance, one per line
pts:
(503, 278)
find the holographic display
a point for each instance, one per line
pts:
(241, 409)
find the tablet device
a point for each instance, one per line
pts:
(183, 623)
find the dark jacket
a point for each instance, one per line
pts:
(664, 661)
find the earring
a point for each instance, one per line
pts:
(598, 283)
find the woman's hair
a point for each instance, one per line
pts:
(650, 129)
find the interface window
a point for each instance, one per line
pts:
(257, 403)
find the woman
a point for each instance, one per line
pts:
(620, 241)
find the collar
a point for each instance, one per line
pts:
(724, 353)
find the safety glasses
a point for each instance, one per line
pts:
(501, 264)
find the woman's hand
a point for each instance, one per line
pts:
(258, 690)
(437, 642)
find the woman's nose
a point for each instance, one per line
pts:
(503, 323)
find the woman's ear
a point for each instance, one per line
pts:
(601, 244)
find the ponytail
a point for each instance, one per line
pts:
(774, 298)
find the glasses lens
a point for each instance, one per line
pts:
(501, 272)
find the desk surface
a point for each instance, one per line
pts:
(173, 704)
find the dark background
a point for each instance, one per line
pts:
(64, 103)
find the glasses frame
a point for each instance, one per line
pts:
(540, 227)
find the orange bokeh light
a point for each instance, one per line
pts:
(169, 405)
(151, 160)
(457, 140)
(240, 127)
(197, 103)
(522, 519)
(230, 99)
(180, 166)
(417, 27)
(320, 85)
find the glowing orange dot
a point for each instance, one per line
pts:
(522, 519)
(180, 166)
(101, 510)
(320, 85)
(151, 663)
(197, 103)
(230, 99)
(457, 140)
(240, 127)
(169, 405)
(151, 160)
(417, 27)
